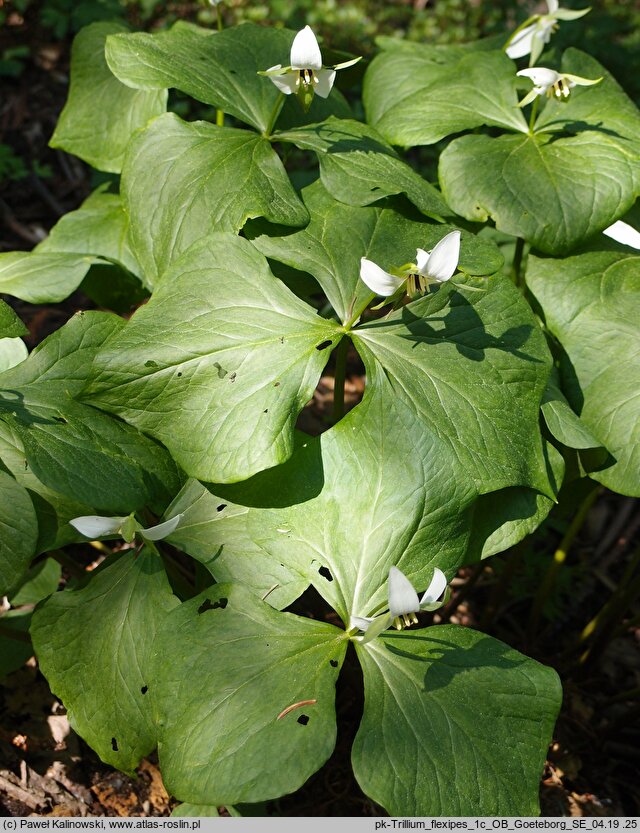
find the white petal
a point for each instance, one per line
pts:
(360, 622)
(325, 77)
(541, 76)
(552, 5)
(160, 531)
(443, 260)
(379, 624)
(378, 281)
(436, 588)
(624, 233)
(285, 83)
(521, 44)
(93, 526)
(422, 258)
(305, 52)
(402, 597)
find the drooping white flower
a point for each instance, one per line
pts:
(305, 76)
(404, 603)
(551, 83)
(436, 266)
(535, 33)
(95, 526)
(623, 233)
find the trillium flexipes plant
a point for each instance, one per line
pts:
(469, 432)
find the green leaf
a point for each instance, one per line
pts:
(553, 192)
(473, 367)
(358, 167)
(101, 114)
(10, 325)
(199, 810)
(417, 95)
(218, 364)
(218, 68)
(53, 510)
(200, 178)
(18, 533)
(71, 447)
(12, 352)
(15, 645)
(99, 227)
(591, 306)
(214, 531)
(455, 724)
(331, 246)
(94, 647)
(226, 739)
(43, 278)
(563, 423)
(40, 581)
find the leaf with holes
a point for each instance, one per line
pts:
(590, 303)
(456, 723)
(218, 364)
(261, 717)
(105, 682)
(101, 114)
(200, 178)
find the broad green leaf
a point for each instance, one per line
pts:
(200, 178)
(563, 423)
(198, 810)
(553, 192)
(331, 246)
(45, 278)
(94, 647)
(504, 518)
(417, 95)
(71, 447)
(218, 68)
(604, 108)
(591, 305)
(99, 227)
(10, 325)
(455, 723)
(39, 582)
(53, 509)
(218, 364)
(101, 114)
(230, 738)
(473, 366)
(18, 532)
(12, 352)
(214, 532)
(15, 645)
(358, 167)
(411, 506)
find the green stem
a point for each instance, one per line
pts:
(559, 557)
(533, 114)
(339, 379)
(517, 262)
(359, 310)
(273, 118)
(219, 13)
(219, 113)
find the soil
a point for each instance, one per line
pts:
(47, 770)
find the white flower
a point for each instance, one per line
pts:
(535, 33)
(95, 526)
(435, 266)
(403, 604)
(551, 83)
(624, 233)
(305, 76)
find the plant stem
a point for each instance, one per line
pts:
(533, 114)
(517, 262)
(273, 118)
(219, 113)
(359, 310)
(559, 557)
(66, 561)
(339, 379)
